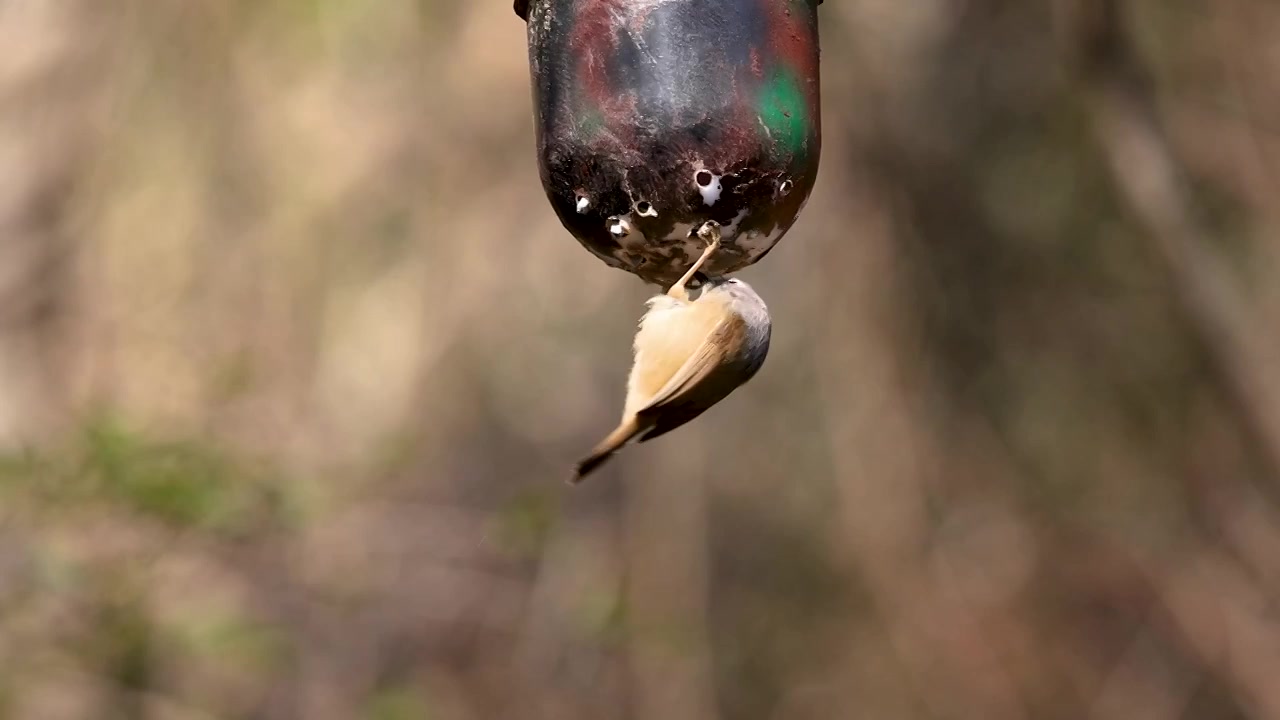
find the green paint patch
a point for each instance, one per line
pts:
(784, 111)
(590, 123)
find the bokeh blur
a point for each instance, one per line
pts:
(295, 359)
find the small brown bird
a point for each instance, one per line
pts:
(690, 353)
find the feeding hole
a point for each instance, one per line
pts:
(619, 227)
(708, 186)
(785, 188)
(645, 209)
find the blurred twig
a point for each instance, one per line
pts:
(668, 587)
(1224, 619)
(1242, 648)
(1152, 183)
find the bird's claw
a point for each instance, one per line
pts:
(710, 232)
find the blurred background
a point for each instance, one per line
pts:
(295, 358)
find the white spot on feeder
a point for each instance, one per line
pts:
(730, 230)
(584, 202)
(619, 227)
(785, 188)
(708, 186)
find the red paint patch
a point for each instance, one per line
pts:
(792, 40)
(593, 40)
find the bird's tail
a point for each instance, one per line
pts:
(629, 428)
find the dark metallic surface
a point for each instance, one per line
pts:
(654, 116)
(522, 8)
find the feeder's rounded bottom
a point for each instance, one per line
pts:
(645, 222)
(656, 116)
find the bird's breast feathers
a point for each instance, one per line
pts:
(671, 333)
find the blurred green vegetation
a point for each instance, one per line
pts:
(184, 484)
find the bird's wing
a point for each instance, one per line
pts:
(671, 333)
(700, 366)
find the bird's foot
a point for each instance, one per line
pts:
(710, 232)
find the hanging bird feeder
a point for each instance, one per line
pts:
(654, 117)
